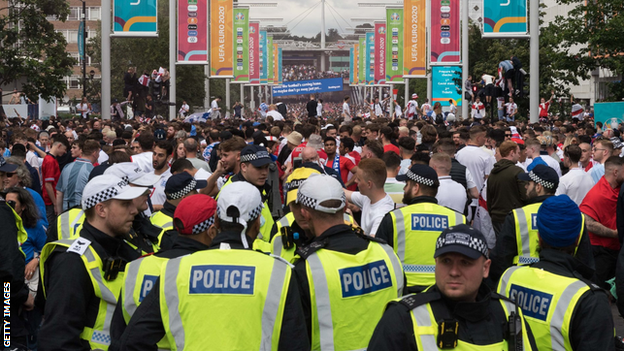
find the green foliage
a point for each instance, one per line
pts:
(32, 50)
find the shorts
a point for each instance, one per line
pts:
(510, 74)
(489, 90)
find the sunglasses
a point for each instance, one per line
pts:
(9, 175)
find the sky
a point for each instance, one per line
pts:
(311, 25)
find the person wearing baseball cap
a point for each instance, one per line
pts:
(518, 242)
(194, 230)
(228, 297)
(573, 313)
(178, 187)
(254, 169)
(411, 110)
(413, 229)
(459, 311)
(333, 265)
(81, 278)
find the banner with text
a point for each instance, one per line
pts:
(362, 61)
(263, 57)
(136, 19)
(280, 67)
(275, 68)
(504, 19)
(356, 64)
(380, 53)
(394, 45)
(351, 66)
(270, 62)
(415, 39)
(446, 85)
(241, 45)
(306, 87)
(193, 32)
(445, 32)
(370, 58)
(254, 50)
(221, 38)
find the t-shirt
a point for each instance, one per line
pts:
(543, 109)
(319, 110)
(346, 165)
(600, 203)
(451, 194)
(392, 147)
(511, 108)
(199, 164)
(50, 173)
(411, 107)
(597, 172)
(477, 109)
(345, 109)
(72, 181)
(576, 184)
(158, 196)
(479, 162)
(577, 111)
(372, 213)
(276, 115)
(394, 189)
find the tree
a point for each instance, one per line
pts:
(590, 36)
(31, 50)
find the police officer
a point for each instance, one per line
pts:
(565, 310)
(290, 232)
(178, 187)
(254, 169)
(518, 243)
(227, 297)
(81, 278)
(459, 312)
(345, 277)
(412, 230)
(192, 220)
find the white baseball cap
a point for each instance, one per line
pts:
(240, 203)
(106, 187)
(132, 173)
(319, 188)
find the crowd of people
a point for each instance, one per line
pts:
(294, 232)
(308, 72)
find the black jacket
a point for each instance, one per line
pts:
(504, 190)
(311, 107)
(481, 323)
(591, 327)
(182, 246)
(71, 303)
(146, 329)
(507, 247)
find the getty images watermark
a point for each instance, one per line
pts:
(6, 314)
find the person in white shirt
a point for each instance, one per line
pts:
(184, 109)
(577, 110)
(511, 110)
(274, 113)
(411, 108)
(576, 183)
(601, 151)
(475, 159)
(163, 151)
(215, 109)
(144, 156)
(319, 108)
(450, 194)
(488, 82)
(372, 199)
(84, 108)
(407, 147)
(537, 149)
(500, 103)
(346, 111)
(478, 109)
(426, 108)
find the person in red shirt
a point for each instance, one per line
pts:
(545, 105)
(51, 172)
(346, 151)
(340, 164)
(599, 207)
(387, 136)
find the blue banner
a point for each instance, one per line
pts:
(81, 40)
(137, 18)
(264, 55)
(504, 18)
(305, 87)
(370, 58)
(446, 85)
(611, 114)
(351, 66)
(280, 67)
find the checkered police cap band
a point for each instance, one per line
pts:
(181, 193)
(255, 156)
(315, 204)
(540, 181)
(201, 227)
(102, 196)
(463, 239)
(252, 215)
(420, 179)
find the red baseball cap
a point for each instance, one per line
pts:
(196, 213)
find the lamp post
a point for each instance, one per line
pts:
(84, 49)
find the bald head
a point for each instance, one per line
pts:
(309, 154)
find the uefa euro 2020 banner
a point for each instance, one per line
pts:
(264, 70)
(241, 45)
(351, 66)
(370, 58)
(136, 18)
(254, 52)
(394, 45)
(306, 87)
(380, 52)
(362, 61)
(445, 32)
(193, 32)
(221, 51)
(504, 18)
(415, 39)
